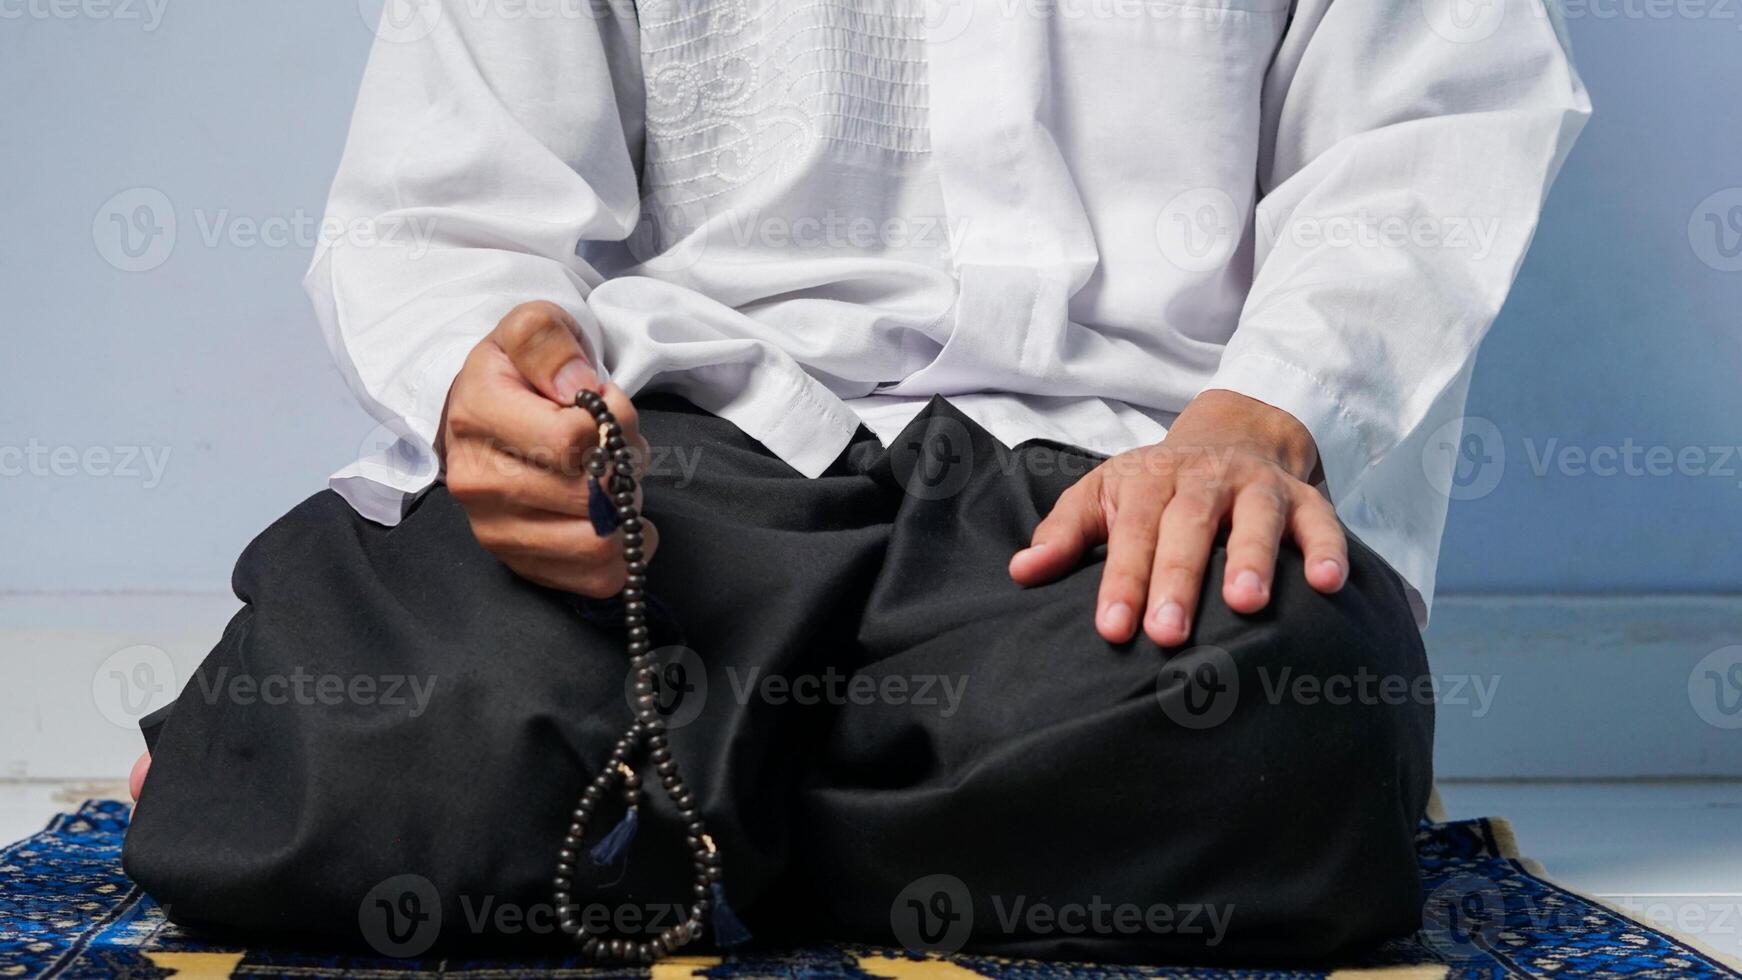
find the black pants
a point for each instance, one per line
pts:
(892, 742)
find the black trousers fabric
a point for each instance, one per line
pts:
(892, 742)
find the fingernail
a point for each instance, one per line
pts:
(1336, 568)
(574, 376)
(1171, 617)
(1116, 619)
(1248, 581)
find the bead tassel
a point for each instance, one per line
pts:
(614, 844)
(728, 928)
(600, 510)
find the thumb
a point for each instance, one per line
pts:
(542, 340)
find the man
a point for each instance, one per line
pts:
(1041, 350)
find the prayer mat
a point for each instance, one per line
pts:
(66, 910)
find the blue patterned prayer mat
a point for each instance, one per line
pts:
(66, 910)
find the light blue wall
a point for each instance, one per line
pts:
(236, 113)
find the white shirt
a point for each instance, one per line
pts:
(1067, 217)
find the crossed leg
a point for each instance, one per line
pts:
(972, 767)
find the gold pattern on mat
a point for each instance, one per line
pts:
(197, 966)
(901, 968)
(683, 967)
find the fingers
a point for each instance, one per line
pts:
(1189, 526)
(492, 408)
(1073, 526)
(1259, 517)
(542, 341)
(556, 550)
(1131, 544)
(484, 476)
(1315, 528)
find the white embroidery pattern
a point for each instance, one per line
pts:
(748, 90)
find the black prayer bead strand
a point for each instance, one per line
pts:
(647, 732)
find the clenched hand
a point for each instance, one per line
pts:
(514, 452)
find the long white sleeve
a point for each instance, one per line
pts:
(482, 154)
(1403, 163)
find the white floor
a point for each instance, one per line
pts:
(1670, 852)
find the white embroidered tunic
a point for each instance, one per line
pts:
(1067, 216)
